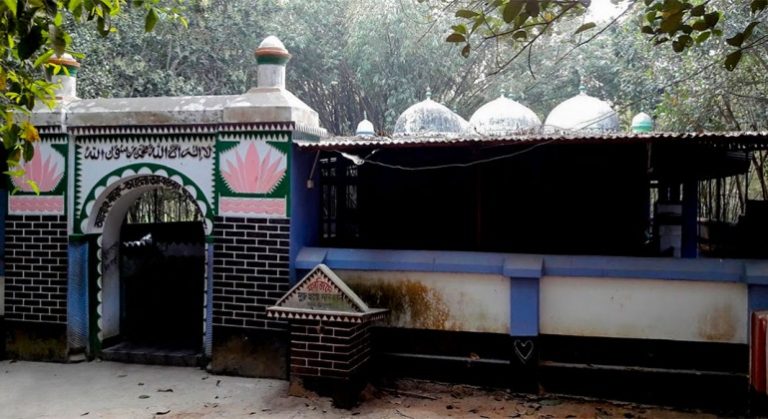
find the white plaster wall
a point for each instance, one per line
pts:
(67, 88)
(645, 309)
(438, 301)
(198, 169)
(271, 75)
(110, 281)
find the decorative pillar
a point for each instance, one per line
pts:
(252, 229)
(272, 58)
(63, 72)
(525, 274)
(35, 253)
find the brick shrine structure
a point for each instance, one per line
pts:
(330, 344)
(229, 155)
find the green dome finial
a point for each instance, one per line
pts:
(582, 85)
(271, 57)
(272, 51)
(642, 123)
(62, 71)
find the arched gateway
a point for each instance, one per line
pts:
(109, 202)
(226, 156)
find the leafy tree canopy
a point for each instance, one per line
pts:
(380, 56)
(678, 23)
(33, 31)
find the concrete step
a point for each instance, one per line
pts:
(156, 355)
(77, 358)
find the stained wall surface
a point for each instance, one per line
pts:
(645, 309)
(436, 301)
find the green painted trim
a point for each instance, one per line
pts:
(83, 237)
(281, 190)
(136, 167)
(94, 278)
(216, 154)
(70, 69)
(76, 185)
(272, 59)
(288, 169)
(61, 188)
(642, 128)
(64, 182)
(78, 238)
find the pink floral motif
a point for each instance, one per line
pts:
(260, 171)
(19, 204)
(252, 206)
(45, 169)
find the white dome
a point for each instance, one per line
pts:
(582, 113)
(642, 122)
(503, 116)
(272, 42)
(429, 118)
(365, 129)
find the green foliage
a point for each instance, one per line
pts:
(32, 32)
(681, 22)
(520, 23)
(379, 56)
(349, 57)
(213, 56)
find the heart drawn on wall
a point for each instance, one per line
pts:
(523, 350)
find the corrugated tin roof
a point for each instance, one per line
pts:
(739, 140)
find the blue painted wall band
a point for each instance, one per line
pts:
(535, 266)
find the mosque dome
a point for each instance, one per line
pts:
(429, 118)
(582, 113)
(365, 128)
(503, 116)
(642, 122)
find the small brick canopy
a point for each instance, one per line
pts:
(330, 336)
(322, 295)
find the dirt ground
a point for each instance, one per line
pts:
(114, 390)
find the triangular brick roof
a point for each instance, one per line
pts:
(323, 295)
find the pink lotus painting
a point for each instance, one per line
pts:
(253, 167)
(45, 169)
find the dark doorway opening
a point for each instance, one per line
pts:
(162, 282)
